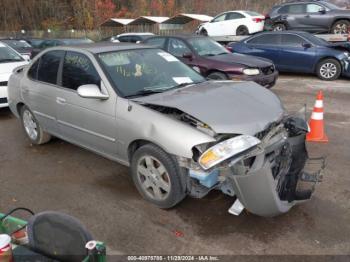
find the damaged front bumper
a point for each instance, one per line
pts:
(272, 178)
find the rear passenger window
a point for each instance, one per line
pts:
(157, 42)
(267, 39)
(234, 16)
(78, 70)
(33, 70)
(293, 9)
(48, 67)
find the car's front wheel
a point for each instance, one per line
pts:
(32, 128)
(328, 69)
(341, 27)
(157, 176)
(217, 76)
(203, 32)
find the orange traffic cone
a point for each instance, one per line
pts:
(317, 133)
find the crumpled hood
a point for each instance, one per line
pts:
(246, 60)
(6, 69)
(227, 107)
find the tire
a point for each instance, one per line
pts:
(32, 128)
(328, 69)
(157, 176)
(341, 27)
(242, 30)
(279, 27)
(203, 32)
(217, 76)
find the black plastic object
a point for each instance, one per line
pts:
(58, 236)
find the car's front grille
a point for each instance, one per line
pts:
(3, 83)
(3, 100)
(268, 70)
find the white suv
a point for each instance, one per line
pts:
(233, 23)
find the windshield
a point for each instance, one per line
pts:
(8, 55)
(207, 47)
(17, 44)
(316, 40)
(146, 71)
(331, 6)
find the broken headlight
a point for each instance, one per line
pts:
(227, 149)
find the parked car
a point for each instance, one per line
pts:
(20, 46)
(233, 23)
(34, 42)
(60, 42)
(9, 60)
(214, 61)
(309, 16)
(298, 52)
(129, 37)
(180, 134)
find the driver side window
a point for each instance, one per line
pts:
(313, 8)
(177, 47)
(78, 70)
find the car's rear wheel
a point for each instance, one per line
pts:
(328, 69)
(203, 32)
(279, 27)
(341, 27)
(157, 176)
(217, 76)
(242, 30)
(32, 128)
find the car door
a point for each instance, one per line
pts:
(295, 56)
(317, 18)
(216, 26)
(232, 22)
(294, 14)
(85, 121)
(266, 46)
(39, 91)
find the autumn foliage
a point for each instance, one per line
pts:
(89, 14)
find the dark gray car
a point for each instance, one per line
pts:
(310, 16)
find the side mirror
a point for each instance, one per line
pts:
(322, 10)
(307, 45)
(26, 57)
(91, 91)
(187, 55)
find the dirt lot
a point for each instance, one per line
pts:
(63, 177)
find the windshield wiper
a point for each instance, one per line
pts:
(144, 92)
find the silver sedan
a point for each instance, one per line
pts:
(180, 134)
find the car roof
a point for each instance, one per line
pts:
(140, 34)
(103, 47)
(180, 36)
(285, 32)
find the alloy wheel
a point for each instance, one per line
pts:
(328, 70)
(153, 177)
(30, 125)
(341, 29)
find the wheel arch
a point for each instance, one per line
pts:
(214, 70)
(19, 107)
(325, 58)
(337, 19)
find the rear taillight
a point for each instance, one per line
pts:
(258, 20)
(229, 48)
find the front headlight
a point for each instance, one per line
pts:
(226, 150)
(251, 71)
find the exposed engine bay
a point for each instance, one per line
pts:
(265, 179)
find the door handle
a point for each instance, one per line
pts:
(60, 100)
(307, 16)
